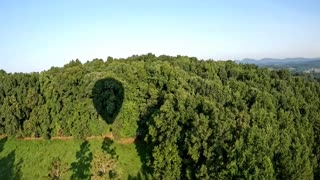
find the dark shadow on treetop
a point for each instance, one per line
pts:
(108, 95)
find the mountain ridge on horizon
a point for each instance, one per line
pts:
(306, 65)
(277, 60)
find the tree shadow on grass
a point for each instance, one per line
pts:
(81, 168)
(2, 142)
(145, 153)
(8, 168)
(108, 147)
(109, 160)
(108, 95)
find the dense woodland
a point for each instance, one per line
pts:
(198, 119)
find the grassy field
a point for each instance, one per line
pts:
(22, 159)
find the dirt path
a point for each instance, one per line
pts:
(109, 136)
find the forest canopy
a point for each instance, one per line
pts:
(200, 119)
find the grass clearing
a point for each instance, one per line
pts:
(31, 159)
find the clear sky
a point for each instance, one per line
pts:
(38, 34)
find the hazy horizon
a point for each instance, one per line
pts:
(37, 35)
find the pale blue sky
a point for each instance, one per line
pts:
(38, 34)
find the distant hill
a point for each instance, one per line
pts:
(307, 65)
(272, 61)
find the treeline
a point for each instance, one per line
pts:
(200, 119)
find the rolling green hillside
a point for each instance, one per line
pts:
(191, 119)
